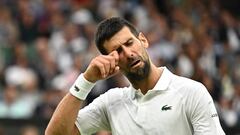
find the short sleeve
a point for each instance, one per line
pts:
(202, 112)
(93, 117)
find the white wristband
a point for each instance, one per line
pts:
(81, 87)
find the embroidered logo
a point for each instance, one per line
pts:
(76, 88)
(214, 115)
(166, 107)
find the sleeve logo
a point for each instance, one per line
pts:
(76, 88)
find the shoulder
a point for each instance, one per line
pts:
(187, 83)
(106, 100)
(193, 93)
(188, 87)
(114, 95)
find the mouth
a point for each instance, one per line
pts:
(134, 63)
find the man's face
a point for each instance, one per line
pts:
(133, 58)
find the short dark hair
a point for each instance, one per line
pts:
(108, 28)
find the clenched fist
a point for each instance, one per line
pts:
(102, 67)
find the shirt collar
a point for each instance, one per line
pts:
(164, 80)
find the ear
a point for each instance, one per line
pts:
(143, 40)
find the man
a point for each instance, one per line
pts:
(156, 103)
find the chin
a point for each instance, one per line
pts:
(140, 73)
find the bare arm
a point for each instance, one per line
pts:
(62, 122)
(64, 117)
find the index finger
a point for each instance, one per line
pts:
(115, 55)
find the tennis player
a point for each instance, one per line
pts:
(157, 102)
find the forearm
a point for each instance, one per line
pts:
(64, 117)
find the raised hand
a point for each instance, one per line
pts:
(102, 67)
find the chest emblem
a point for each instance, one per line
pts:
(166, 107)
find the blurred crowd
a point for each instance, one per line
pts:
(46, 44)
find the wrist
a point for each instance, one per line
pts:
(89, 78)
(81, 87)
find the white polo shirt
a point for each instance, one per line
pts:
(175, 106)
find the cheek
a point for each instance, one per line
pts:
(122, 60)
(122, 64)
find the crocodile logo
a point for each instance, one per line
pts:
(166, 107)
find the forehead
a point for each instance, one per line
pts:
(118, 39)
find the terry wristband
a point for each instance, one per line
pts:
(81, 87)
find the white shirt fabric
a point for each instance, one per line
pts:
(175, 106)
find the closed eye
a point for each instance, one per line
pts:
(129, 42)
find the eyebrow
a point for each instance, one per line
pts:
(124, 43)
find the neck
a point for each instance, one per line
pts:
(149, 82)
